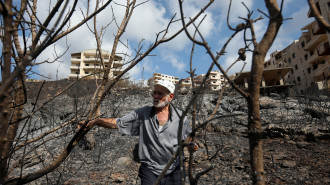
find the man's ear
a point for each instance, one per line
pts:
(171, 96)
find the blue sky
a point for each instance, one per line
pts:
(173, 58)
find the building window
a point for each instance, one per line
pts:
(309, 70)
(315, 66)
(289, 60)
(306, 57)
(298, 79)
(87, 65)
(291, 71)
(322, 62)
(86, 72)
(296, 67)
(303, 44)
(293, 55)
(311, 53)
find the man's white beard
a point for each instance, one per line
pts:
(162, 104)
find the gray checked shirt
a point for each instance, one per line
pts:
(155, 147)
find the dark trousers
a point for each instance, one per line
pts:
(148, 178)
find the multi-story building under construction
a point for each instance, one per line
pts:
(88, 64)
(309, 57)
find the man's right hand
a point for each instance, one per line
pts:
(90, 124)
(102, 122)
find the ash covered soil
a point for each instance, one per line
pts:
(286, 161)
(295, 143)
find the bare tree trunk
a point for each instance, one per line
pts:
(254, 124)
(5, 100)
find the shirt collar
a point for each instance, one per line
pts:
(153, 112)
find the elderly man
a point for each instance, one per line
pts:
(157, 127)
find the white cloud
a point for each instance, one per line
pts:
(145, 67)
(299, 20)
(147, 20)
(153, 17)
(57, 68)
(173, 60)
(237, 9)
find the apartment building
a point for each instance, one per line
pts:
(185, 84)
(88, 63)
(309, 58)
(215, 81)
(158, 76)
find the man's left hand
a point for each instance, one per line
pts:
(192, 147)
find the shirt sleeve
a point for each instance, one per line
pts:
(187, 128)
(129, 124)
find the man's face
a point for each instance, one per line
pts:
(161, 96)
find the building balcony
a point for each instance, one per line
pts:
(278, 56)
(74, 67)
(92, 67)
(75, 59)
(323, 49)
(89, 59)
(215, 84)
(212, 77)
(306, 34)
(117, 70)
(317, 30)
(117, 63)
(322, 72)
(214, 73)
(75, 75)
(315, 41)
(315, 58)
(157, 77)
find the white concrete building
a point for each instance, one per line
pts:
(216, 80)
(309, 56)
(88, 63)
(158, 76)
(186, 84)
